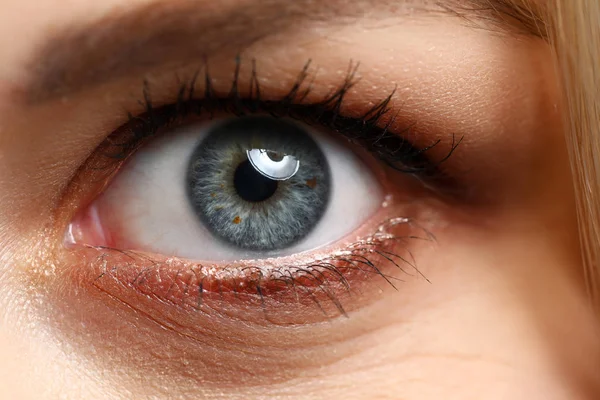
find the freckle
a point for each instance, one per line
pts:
(213, 195)
(311, 183)
(218, 208)
(237, 220)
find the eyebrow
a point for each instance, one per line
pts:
(175, 31)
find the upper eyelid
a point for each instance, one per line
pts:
(129, 43)
(373, 129)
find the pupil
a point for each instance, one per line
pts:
(250, 185)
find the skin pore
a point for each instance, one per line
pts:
(498, 309)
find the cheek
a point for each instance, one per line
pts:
(506, 309)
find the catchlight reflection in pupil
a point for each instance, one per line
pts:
(272, 164)
(259, 183)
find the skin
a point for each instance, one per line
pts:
(502, 314)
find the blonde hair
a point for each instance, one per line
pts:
(575, 33)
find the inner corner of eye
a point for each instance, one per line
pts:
(238, 188)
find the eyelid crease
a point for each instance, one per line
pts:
(131, 41)
(370, 130)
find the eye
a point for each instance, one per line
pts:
(252, 200)
(234, 188)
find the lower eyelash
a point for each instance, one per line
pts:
(323, 282)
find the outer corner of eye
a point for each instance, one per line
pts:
(232, 189)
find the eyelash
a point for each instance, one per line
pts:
(367, 130)
(321, 280)
(190, 285)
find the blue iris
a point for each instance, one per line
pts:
(259, 183)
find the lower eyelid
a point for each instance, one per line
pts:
(266, 291)
(145, 326)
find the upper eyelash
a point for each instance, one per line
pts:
(367, 130)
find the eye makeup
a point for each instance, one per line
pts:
(324, 279)
(279, 289)
(372, 129)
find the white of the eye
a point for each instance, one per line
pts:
(278, 170)
(149, 196)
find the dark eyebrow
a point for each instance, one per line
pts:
(175, 32)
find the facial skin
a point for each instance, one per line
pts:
(499, 312)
